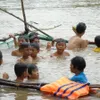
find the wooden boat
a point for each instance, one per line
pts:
(5, 82)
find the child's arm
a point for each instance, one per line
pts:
(90, 42)
(15, 41)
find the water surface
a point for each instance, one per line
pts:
(49, 14)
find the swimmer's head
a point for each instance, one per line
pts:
(97, 41)
(80, 28)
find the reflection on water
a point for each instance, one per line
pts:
(48, 13)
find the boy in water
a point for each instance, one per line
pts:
(60, 46)
(32, 72)
(77, 67)
(26, 54)
(18, 52)
(34, 39)
(35, 50)
(21, 71)
(97, 42)
(76, 42)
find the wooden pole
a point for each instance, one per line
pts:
(24, 16)
(34, 85)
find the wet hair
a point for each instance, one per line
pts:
(21, 37)
(81, 27)
(97, 41)
(19, 69)
(60, 40)
(25, 37)
(24, 45)
(79, 63)
(35, 45)
(1, 56)
(32, 67)
(33, 34)
(33, 38)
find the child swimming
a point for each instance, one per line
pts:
(32, 72)
(35, 51)
(77, 67)
(21, 71)
(18, 52)
(26, 54)
(97, 42)
(60, 47)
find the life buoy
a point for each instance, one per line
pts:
(96, 49)
(66, 88)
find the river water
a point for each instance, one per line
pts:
(47, 14)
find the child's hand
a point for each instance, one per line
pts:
(5, 75)
(11, 36)
(49, 45)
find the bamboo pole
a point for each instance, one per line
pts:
(14, 82)
(24, 16)
(33, 85)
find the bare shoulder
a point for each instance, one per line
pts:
(72, 38)
(66, 54)
(16, 53)
(20, 60)
(84, 43)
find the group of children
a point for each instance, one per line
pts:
(28, 51)
(22, 71)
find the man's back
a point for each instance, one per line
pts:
(77, 43)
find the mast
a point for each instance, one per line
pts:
(24, 16)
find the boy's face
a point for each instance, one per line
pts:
(25, 74)
(61, 46)
(72, 69)
(20, 41)
(34, 52)
(34, 75)
(36, 40)
(26, 51)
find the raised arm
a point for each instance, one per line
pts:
(15, 41)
